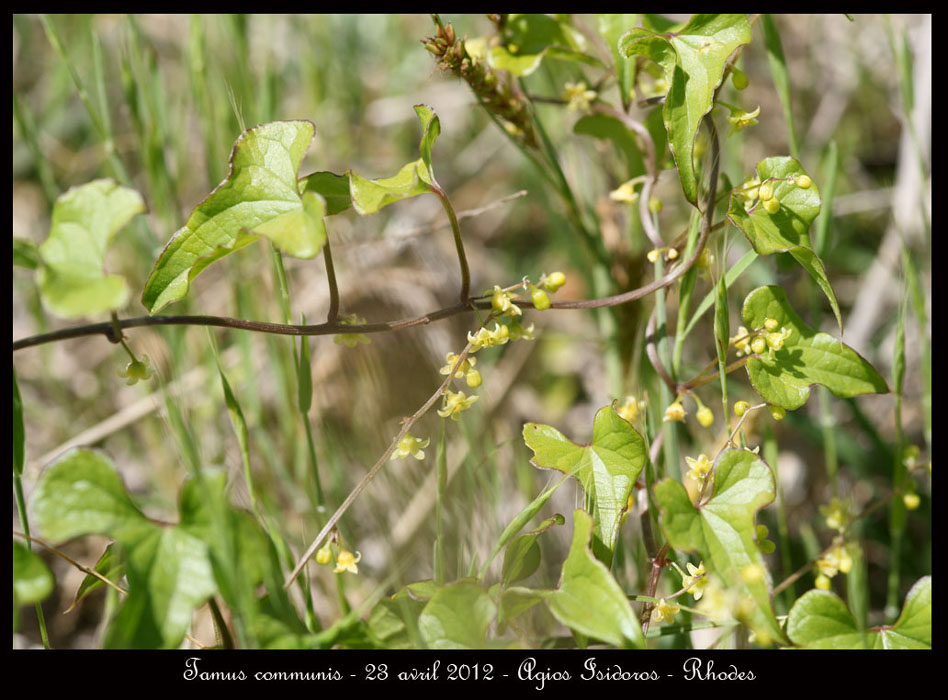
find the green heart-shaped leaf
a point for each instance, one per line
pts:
(393, 619)
(85, 219)
(820, 620)
(588, 599)
(693, 60)
(788, 229)
(522, 556)
(722, 530)
(808, 357)
(169, 569)
(607, 468)
(260, 197)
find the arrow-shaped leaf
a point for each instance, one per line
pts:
(607, 468)
(85, 219)
(722, 530)
(260, 197)
(807, 357)
(457, 617)
(787, 229)
(693, 60)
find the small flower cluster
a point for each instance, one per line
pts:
(578, 96)
(667, 253)
(836, 560)
(455, 403)
(753, 191)
(837, 514)
(766, 339)
(676, 412)
(345, 560)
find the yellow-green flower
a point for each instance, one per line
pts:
(578, 96)
(465, 369)
(836, 514)
(700, 467)
(624, 193)
(136, 370)
(455, 403)
(410, 445)
(346, 561)
(488, 339)
(696, 580)
(674, 413)
(665, 611)
(631, 409)
(518, 332)
(502, 302)
(739, 119)
(741, 342)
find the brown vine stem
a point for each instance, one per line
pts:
(333, 314)
(406, 426)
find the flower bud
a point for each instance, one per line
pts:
(911, 501)
(758, 345)
(324, 555)
(554, 281)
(740, 408)
(765, 192)
(777, 412)
(772, 206)
(739, 78)
(804, 182)
(540, 299)
(705, 416)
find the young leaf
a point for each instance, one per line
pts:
(820, 620)
(417, 177)
(85, 219)
(260, 197)
(111, 565)
(528, 39)
(808, 357)
(457, 617)
(169, 570)
(693, 60)
(611, 27)
(787, 230)
(588, 599)
(722, 530)
(32, 579)
(522, 557)
(607, 468)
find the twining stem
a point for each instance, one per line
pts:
(406, 426)
(458, 243)
(333, 314)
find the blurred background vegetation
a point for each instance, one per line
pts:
(156, 103)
